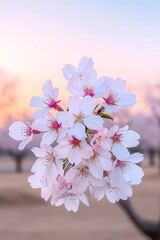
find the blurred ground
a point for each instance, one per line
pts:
(23, 215)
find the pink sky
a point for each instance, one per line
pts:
(37, 38)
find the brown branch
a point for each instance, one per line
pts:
(149, 228)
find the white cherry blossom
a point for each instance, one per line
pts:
(128, 169)
(81, 111)
(121, 139)
(88, 86)
(23, 132)
(47, 102)
(84, 67)
(115, 96)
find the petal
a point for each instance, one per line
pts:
(136, 157)
(120, 151)
(49, 137)
(106, 162)
(66, 118)
(93, 122)
(74, 155)
(110, 108)
(127, 99)
(130, 139)
(25, 142)
(83, 199)
(96, 169)
(38, 152)
(69, 71)
(16, 130)
(75, 87)
(100, 86)
(78, 130)
(74, 104)
(37, 102)
(40, 125)
(48, 90)
(40, 113)
(88, 105)
(83, 64)
(71, 203)
(111, 196)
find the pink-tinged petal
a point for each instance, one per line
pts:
(38, 167)
(97, 193)
(83, 199)
(58, 202)
(96, 169)
(74, 104)
(53, 172)
(106, 162)
(78, 130)
(118, 86)
(127, 99)
(88, 105)
(49, 137)
(25, 142)
(34, 181)
(66, 118)
(59, 165)
(111, 196)
(80, 184)
(71, 202)
(74, 155)
(16, 130)
(115, 176)
(126, 189)
(112, 131)
(100, 86)
(66, 146)
(130, 139)
(135, 157)
(110, 108)
(86, 150)
(48, 90)
(70, 175)
(40, 113)
(75, 87)
(134, 174)
(90, 78)
(46, 193)
(83, 64)
(37, 102)
(95, 181)
(40, 125)
(93, 122)
(120, 151)
(38, 152)
(69, 71)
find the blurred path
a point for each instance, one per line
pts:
(23, 215)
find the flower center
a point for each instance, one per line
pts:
(27, 131)
(51, 103)
(88, 91)
(117, 138)
(74, 142)
(121, 164)
(53, 125)
(83, 172)
(79, 117)
(111, 100)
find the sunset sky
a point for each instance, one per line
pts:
(37, 38)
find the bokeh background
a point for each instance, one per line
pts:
(37, 38)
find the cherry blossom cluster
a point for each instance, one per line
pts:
(77, 151)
